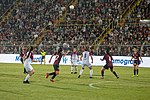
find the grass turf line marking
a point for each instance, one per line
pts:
(92, 84)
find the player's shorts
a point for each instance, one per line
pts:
(56, 67)
(74, 62)
(107, 67)
(43, 57)
(86, 64)
(136, 62)
(28, 67)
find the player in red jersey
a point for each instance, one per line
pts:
(55, 64)
(108, 65)
(136, 63)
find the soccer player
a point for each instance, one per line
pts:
(74, 60)
(55, 64)
(27, 65)
(108, 65)
(136, 63)
(85, 61)
(43, 53)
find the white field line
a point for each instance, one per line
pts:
(92, 84)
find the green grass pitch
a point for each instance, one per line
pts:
(69, 87)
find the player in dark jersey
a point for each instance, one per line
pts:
(55, 64)
(108, 65)
(136, 63)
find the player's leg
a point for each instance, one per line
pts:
(111, 69)
(47, 74)
(56, 68)
(81, 71)
(44, 59)
(72, 68)
(41, 60)
(137, 70)
(103, 70)
(102, 73)
(30, 72)
(91, 70)
(76, 69)
(51, 73)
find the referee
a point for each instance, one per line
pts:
(43, 53)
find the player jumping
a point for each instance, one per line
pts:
(55, 64)
(85, 61)
(108, 65)
(74, 60)
(27, 65)
(136, 63)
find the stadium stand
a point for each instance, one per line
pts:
(80, 26)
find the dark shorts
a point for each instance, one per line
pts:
(56, 67)
(107, 67)
(43, 57)
(136, 62)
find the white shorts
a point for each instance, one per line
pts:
(86, 64)
(74, 62)
(28, 67)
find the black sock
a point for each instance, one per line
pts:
(137, 71)
(52, 73)
(115, 73)
(134, 72)
(102, 73)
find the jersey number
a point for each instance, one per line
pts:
(85, 55)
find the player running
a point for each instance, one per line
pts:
(55, 64)
(136, 63)
(74, 60)
(108, 65)
(85, 61)
(27, 65)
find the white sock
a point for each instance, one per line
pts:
(27, 77)
(81, 71)
(91, 72)
(76, 68)
(72, 68)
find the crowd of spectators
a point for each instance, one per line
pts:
(81, 25)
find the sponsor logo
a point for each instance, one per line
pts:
(17, 58)
(64, 59)
(35, 58)
(123, 61)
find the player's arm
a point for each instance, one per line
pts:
(131, 58)
(92, 58)
(141, 59)
(102, 59)
(51, 58)
(71, 58)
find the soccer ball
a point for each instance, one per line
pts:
(71, 6)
